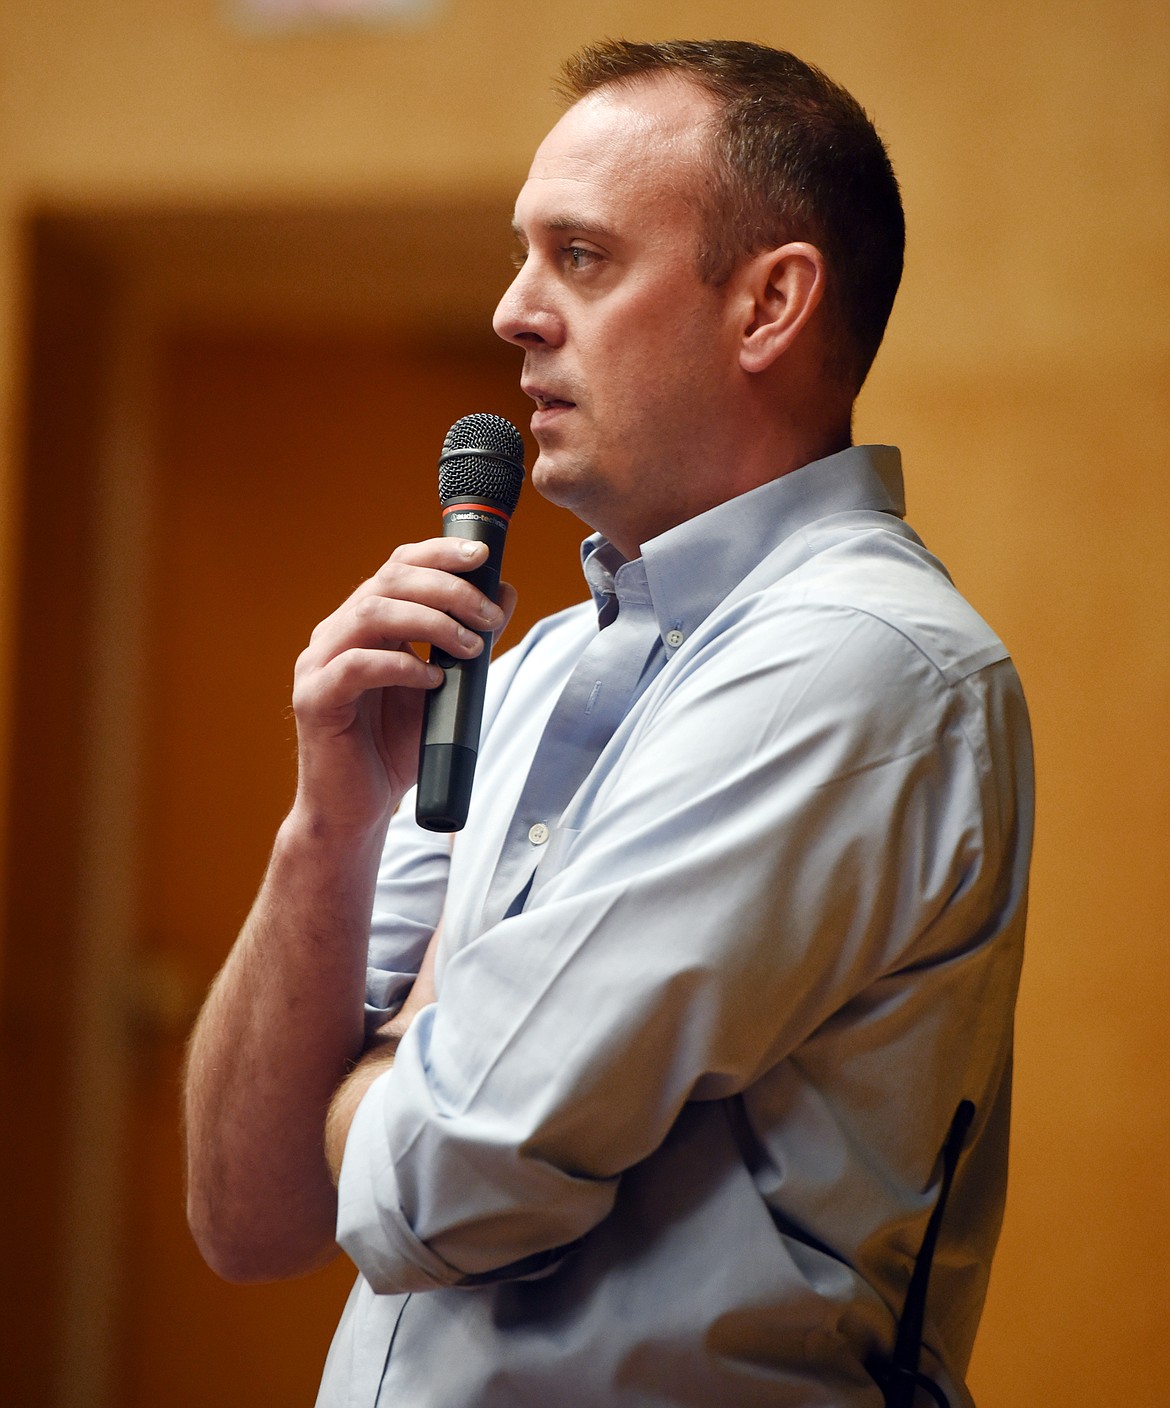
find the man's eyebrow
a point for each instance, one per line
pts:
(578, 224)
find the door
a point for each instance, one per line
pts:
(286, 468)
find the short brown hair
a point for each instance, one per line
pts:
(794, 156)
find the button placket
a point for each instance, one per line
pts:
(591, 704)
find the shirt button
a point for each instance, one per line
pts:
(674, 638)
(538, 833)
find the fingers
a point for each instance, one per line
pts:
(414, 596)
(334, 685)
(429, 571)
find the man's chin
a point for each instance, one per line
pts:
(557, 478)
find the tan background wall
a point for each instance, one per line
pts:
(1025, 375)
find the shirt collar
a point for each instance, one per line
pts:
(690, 568)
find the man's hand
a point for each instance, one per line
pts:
(378, 1057)
(359, 686)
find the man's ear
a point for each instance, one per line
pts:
(783, 289)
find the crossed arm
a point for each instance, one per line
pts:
(283, 1023)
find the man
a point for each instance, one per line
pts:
(735, 923)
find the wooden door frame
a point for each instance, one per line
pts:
(59, 909)
(117, 992)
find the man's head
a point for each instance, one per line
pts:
(789, 155)
(677, 359)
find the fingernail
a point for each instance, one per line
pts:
(434, 675)
(490, 614)
(468, 638)
(470, 548)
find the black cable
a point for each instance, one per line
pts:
(901, 1379)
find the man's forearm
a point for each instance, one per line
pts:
(279, 1030)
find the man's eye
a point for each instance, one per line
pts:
(518, 258)
(579, 257)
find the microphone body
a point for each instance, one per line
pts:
(480, 473)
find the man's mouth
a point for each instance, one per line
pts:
(546, 401)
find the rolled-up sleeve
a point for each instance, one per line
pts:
(408, 903)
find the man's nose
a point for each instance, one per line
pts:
(524, 315)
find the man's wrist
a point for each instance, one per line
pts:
(308, 832)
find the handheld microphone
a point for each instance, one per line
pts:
(481, 469)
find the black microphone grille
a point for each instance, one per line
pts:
(483, 457)
(486, 432)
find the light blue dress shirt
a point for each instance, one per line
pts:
(735, 923)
